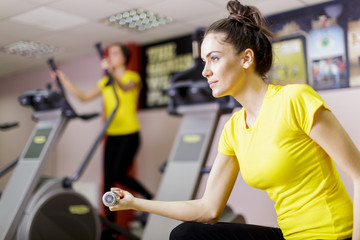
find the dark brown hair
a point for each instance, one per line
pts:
(244, 28)
(125, 50)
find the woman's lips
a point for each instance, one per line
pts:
(212, 83)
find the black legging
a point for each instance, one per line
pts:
(224, 231)
(119, 155)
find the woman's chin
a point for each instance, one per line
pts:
(217, 94)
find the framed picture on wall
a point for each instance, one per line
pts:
(328, 58)
(354, 52)
(289, 61)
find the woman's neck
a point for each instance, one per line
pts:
(252, 99)
(118, 72)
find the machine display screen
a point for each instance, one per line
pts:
(189, 148)
(37, 144)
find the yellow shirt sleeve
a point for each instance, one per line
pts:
(302, 106)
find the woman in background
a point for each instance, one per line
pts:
(123, 133)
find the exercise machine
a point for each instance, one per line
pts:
(5, 127)
(190, 97)
(34, 209)
(27, 212)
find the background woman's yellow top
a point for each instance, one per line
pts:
(125, 120)
(277, 155)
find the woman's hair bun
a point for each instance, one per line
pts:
(250, 16)
(244, 28)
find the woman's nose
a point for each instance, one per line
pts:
(206, 72)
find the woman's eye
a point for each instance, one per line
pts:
(215, 58)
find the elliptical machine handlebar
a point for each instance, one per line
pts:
(67, 109)
(54, 68)
(111, 80)
(67, 182)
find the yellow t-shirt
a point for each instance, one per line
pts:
(125, 120)
(277, 155)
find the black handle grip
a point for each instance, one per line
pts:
(99, 50)
(53, 67)
(52, 64)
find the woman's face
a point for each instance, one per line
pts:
(223, 67)
(116, 56)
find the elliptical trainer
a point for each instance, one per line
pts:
(31, 209)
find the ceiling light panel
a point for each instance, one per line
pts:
(49, 19)
(136, 19)
(29, 49)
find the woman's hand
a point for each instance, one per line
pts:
(208, 209)
(53, 74)
(60, 74)
(126, 201)
(105, 64)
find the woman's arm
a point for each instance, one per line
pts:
(331, 136)
(128, 86)
(81, 95)
(132, 84)
(207, 209)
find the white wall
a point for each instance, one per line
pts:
(158, 132)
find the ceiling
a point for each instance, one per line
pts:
(74, 26)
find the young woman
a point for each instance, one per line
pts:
(123, 137)
(283, 141)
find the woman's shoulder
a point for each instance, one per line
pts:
(132, 73)
(131, 76)
(102, 81)
(295, 90)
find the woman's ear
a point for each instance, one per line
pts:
(248, 58)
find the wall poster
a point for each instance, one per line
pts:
(327, 56)
(161, 61)
(354, 52)
(289, 64)
(330, 34)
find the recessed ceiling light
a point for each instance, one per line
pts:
(49, 19)
(29, 49)
(136, 19)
